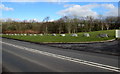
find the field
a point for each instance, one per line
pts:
(67, 39)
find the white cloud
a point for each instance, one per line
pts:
(3, 7)
(112, 12)
(17, 19)
(86, 10)
(108, 6)
(35, 20)
(51, 20)
(9, 19)
(77, 10)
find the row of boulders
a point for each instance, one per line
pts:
(26, 34)
(73, 35)
(85, 34)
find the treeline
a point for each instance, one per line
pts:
(66, 24)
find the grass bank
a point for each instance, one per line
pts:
(67, 38)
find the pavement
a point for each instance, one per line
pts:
(20, 56)
(107, 47)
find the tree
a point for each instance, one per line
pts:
(68, 24)
(46, 19)
(101, 21)
(60, 25)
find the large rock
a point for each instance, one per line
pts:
(62, 34)
(41, 34)
(86, 34)
(35, 34)
(53, 34)
(25, 34)
(22, 34)
(15, 34)
(103, 35)
(30, 34)
(74, 35)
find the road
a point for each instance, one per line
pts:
(19, 56)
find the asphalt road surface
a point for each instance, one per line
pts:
(19, 56)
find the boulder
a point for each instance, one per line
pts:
(35, 34)
(74, 35)
(30, 35)
(22, 34)
(86, 34)
(103, 35)
(15, 34)
(62, 34)
(54, 34)
(41, 34)
(25, 34)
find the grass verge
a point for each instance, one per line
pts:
(67, 39)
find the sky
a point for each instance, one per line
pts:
(26, 10)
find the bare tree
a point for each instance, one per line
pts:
(60, 23)
(101, 21)
(46, 19)
(90, 22)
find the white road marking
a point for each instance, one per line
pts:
(112, 68)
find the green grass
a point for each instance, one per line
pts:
(67, 38)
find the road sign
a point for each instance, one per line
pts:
(117, 33)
